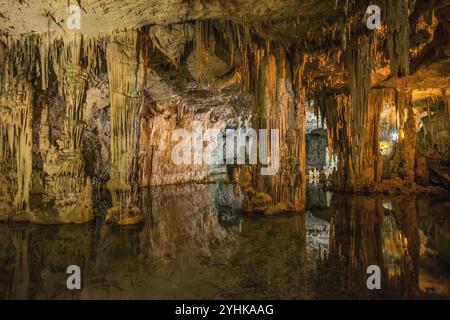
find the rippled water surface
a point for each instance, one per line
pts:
(195, 245)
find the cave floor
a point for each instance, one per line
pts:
(197, 246)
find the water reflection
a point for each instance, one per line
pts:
(195, 244)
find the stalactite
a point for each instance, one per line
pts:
(66, 184)
(402, 161)
(397, 22)
(352, 122)
(359, 68)
(16, 110)
(126, 73)
(201, 44)
(356, 159)
(280, 108)
(16, 103)
(44, 59)
(298, 67)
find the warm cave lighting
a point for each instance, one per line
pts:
(394, 136)
(224, 154)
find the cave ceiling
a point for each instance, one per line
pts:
(25, 16)
(314, 26)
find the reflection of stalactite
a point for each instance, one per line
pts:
(355, 240)
(282, 256)
(126, 79)
(404, 245)
(21, 285)
(180, 212)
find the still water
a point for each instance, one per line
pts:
(196, 245)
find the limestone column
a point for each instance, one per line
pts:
(352, 122)
(16, 104)
(300, 129)
(66, 182)
(126, 80)
(278, 108)
(407, 139)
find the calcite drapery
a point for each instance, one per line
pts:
(126, 74)
(16, 112)
(66, 184)
(281, 108)
(352, 122)
(16, 104)
(396, 17)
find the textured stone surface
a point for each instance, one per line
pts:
(114, 91)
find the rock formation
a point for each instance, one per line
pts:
(89, 109)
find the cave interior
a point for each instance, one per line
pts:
(87, 114)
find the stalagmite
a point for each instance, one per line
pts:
(126, 79)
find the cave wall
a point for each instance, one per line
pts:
(83, 111)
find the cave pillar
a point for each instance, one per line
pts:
(277, 108)
(126, 81)
(66, 184)
(299, 151)
(363, 124)
(355, 126)
(16, 110)
(407, 139)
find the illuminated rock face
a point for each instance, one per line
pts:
(280, 105)
(125, 73)
(16, 157)
(66, 184)
(188, 61)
